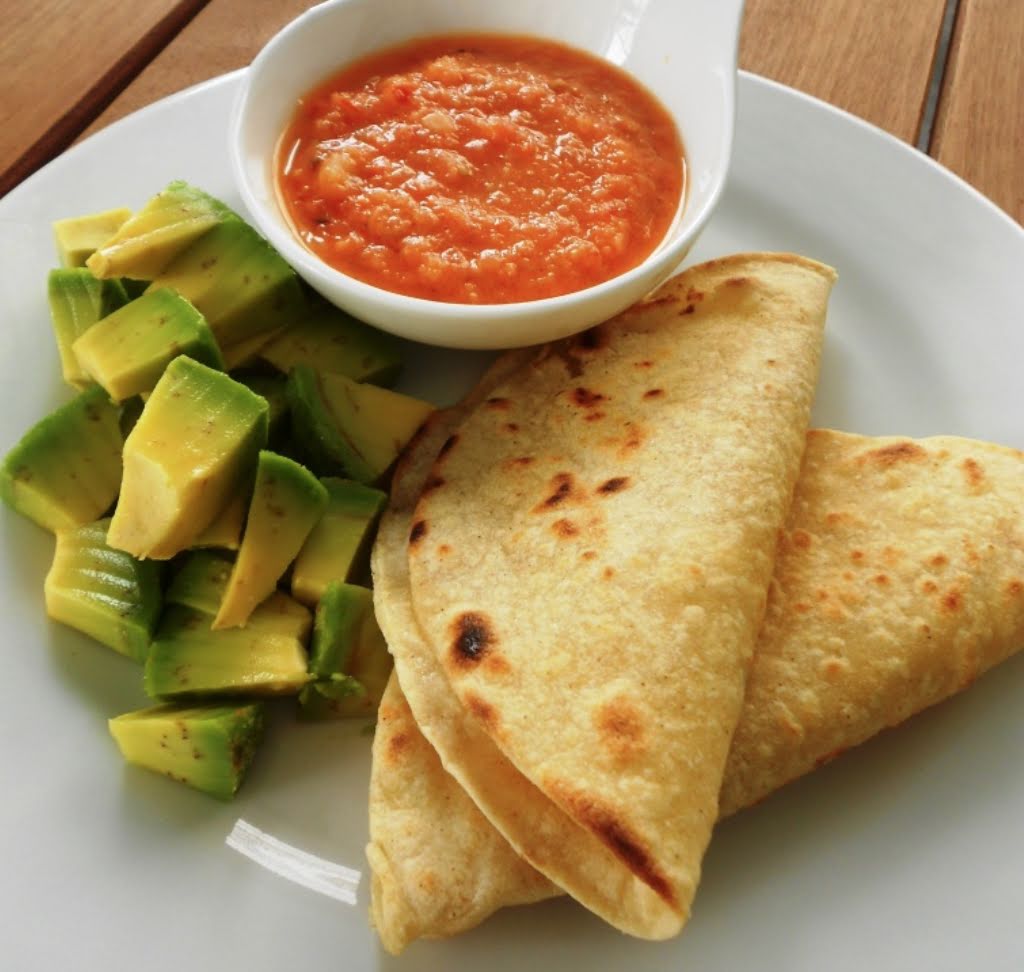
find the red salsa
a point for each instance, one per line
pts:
(481, 170)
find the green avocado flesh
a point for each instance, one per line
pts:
(128, 351)
(104, 593)
(348, 428)
(237, 281)
(272, 388)
(78, 237)
(147, 242)
(225, 532)
(194, 446)
(338, 545)
(77, 301)
(331, 340)
(207, 747)
(188, 659)
(66, 470)
(286, 503)
(349, 660)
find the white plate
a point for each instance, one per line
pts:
(903, 855)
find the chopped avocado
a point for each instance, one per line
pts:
(128, 351)
(105, 593)
(194, 445)
(349, 660)
(338, 545)
(345, 427)
(225, 532)
(238, 282)
(79, 237)
(330, 340)
(208, 747)
(245, 353)
(187, 658)
(171, 221)
(66, 470)
(200, 584)
(286, 504)
(272, 388)
(77, 301)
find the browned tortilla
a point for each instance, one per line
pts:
(611, 603)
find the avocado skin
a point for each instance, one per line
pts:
(349, 658)
(104, 593)
(66, 470)
(77, 301)
(209, 748)
(331, 340)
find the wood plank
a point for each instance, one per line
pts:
(62, 60)
(226, 35)
(871, 57)
(979, 130)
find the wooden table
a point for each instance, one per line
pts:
(944, 75)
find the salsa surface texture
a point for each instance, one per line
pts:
(481, 169)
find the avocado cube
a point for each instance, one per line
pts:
(193, 447)
(286, 503)
(225, 532)
(245, 353)
(170, 222)
(187, 659)
(330, 340)
(200, 582)
(272, 388)
(347, 428)
(77, 301)
(105, 593)
(238, 282)
(207, 747)
(128, 351)
(338, 545)
(66, 470)
(78, 237)
(349, 660)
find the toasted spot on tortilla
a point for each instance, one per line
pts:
(621, 728)
(443, 550)
(498, 404)
(1015, 588)
(613, 485)
(654, 393)
(834, 667)
(857, 556)
(737, 281)
(608, 573)
(480, 709)
(432, 484)
(511, 427)
(593, 416)
(881, 579)
(520, 461)
(973, 471)
(472, 637)
(397, 745)
(449, 444)
(588, 554)
(694, 295)
(561, 489)
(953, 600)
(892, 454)
(565, 528)
(417, 532)
(929, 587)
(626, 846)
(802, 539)
(586, 398)
(939, 560)
(645, 364)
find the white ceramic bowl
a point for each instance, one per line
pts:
(684, 51)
